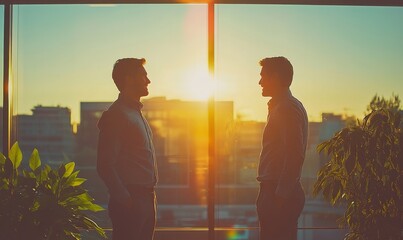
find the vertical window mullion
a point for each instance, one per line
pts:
(211, 127)
(7, 110)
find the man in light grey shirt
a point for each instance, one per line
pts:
(126, 158)
(281, 197)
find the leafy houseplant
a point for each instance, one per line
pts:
(365, 174)
(42, 203)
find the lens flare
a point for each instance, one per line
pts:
(237, 234)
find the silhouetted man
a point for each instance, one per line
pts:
(281, 197)
(126, 159)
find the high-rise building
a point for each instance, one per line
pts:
(331, 124)
(49, 130)
(247, 147)
(87, 132)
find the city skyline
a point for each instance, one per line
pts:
(342, 56)
(235, 117)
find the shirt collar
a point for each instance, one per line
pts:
(279, 98)
(130, 102)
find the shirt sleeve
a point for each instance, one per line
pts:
(293, 134)
(109, 145)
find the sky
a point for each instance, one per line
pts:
(342, 56)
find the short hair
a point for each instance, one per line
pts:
(281, 66)
(125, 67)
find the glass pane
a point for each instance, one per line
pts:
(65, 55)
(342, 57)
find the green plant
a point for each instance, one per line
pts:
(41, 202)
(377, 103)
(364, 174)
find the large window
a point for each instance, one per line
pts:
(63, 57)
(342, 57)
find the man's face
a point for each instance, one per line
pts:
(268, 82)
(137, 84)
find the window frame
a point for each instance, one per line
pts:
(7, 60)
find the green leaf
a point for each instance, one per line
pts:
(71, 178)
(70, 192)
(79, 200)
(15, 155)
(78, 182)
(92, 225)
(43, 176)
(322, 147)
(2, 159)
(85, 197)
(91, 207)
(76, 236)
(337, 192)
(34, 160)
(69, 169)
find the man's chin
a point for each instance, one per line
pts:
(145, 93)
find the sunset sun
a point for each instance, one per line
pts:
(198, 83)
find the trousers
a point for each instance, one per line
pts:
(137, 222)
(278, 223)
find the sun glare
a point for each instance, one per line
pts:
(198, 84)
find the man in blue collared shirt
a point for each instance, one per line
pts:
(281, 197)
(126, 158)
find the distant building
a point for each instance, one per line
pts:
(314, 134)
(49, 130)
(247, 147)
(87, 132)
(311, 164)
(331, 124)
